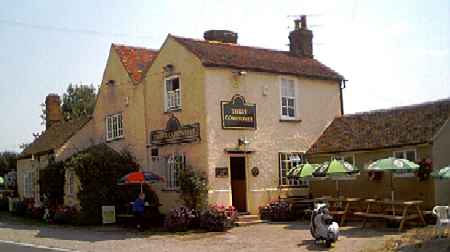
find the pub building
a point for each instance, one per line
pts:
(241, 115)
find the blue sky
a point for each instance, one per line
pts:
(392, 52)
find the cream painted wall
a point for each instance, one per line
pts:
(191, 75)
(81, 140)
(317, 104)
(441, 159)
(26, 165)
(126, 97)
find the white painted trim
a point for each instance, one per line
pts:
(404, 153)
(219, 190)
(265, 189)
(166, 108)
(282, 117)
(30, 245)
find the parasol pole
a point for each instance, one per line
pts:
(141, 187)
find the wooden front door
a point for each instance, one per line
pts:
(238, 183)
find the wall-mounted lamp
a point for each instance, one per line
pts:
(243, 141)
(168, 68)
(110, 82)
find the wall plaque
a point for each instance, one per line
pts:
(175, 133)
(237, 114)
(221, 172)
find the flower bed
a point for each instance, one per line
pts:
(276, 211)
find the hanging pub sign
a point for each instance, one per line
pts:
(237, 114)
(175, 133)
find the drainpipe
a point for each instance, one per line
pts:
(342, 86)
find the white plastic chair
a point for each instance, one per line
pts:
(443, 219)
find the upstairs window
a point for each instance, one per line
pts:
(173, 93)
(406, 154)
(288, 99)
(114, 127)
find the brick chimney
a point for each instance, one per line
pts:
(301, 39)
(53, 109)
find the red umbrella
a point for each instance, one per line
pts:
(140, 178)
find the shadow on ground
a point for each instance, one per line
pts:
(87, 233)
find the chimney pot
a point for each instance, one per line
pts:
(303, 22)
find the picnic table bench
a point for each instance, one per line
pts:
(390, 214)
(340, 206)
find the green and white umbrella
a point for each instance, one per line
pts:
(392, 164)
(443, 173)
(2, 181)
(338, 170)
(303, 171)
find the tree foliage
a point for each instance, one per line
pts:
(193, 187)
(51, 182)
(8, 162)
(99, 169)
(77, 101)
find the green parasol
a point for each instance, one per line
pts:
(303, 171)
(443, 173)
(339, 170)
(2, 180)
(393, 165)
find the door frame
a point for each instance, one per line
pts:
(243, 155)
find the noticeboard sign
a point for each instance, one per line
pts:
(237, 114)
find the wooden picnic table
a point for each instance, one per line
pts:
(342, 206)
(390, 214)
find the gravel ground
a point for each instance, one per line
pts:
(292, 236)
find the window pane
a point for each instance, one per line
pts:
(175, 84)
(284, 111)
(291, 89)
(291, 112)
(114, 123)
(291, 102)
(283, 101)
(411, 156)
(398, 154)
(169, 86)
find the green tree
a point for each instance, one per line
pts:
(78, 101)
(8, 162)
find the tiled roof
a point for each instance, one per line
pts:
(136, 60)
(393, 127)
(55, 136)
(215, 54)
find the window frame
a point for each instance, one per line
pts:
(298, 183)
(343, 156)
(295, 97)
(114, 127)
(71, 183)
(166, 94)
(404, 155)
(28, 184)
(173, 167)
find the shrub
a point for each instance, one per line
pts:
(20, 208)
(98, 169)
(51, 182)
(4, 204)
(193, 187)
(65, 215)
(181, 219)
(276, 211)
(217, 218)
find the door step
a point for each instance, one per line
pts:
(248, 219)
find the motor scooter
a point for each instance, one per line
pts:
(323, 228)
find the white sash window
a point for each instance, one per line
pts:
(28, 181)
(288, 99)
(287, 162)
(114, 127)
(173, 93)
